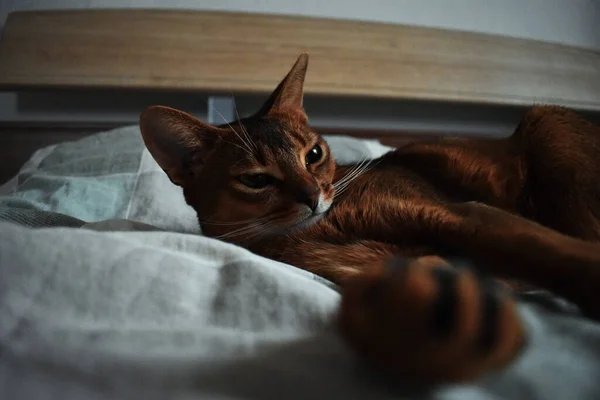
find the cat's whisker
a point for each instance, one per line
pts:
(247, 135)
(263, 232)
(359, 172)
(248, 149)
(244, 131)
(239, 231)
(223, 223)
(238, 146)
(345, 178)
(247, 146)
(245, 229)
(229, 223)
(349, 176)
(366, 165)
(250, 233)
(258, 227)
(352, 171)
(347, 185)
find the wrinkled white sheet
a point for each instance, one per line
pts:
(144, 315)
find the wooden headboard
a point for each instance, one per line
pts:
(233, 52)
(216, 53)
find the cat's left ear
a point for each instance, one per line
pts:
(178, 142)
(289, 94)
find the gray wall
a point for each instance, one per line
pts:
(573, 22)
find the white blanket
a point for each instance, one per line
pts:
(141, 315)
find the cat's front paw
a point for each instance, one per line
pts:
(424, 320)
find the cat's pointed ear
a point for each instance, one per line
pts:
(289, 94)
(177, 141)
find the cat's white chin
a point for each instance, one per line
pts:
(314, 216)
(309, 218)
(323, 205)
(310, 221)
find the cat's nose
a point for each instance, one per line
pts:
(310, 196)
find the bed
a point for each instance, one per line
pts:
(108, 290)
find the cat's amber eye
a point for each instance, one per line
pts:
(256, 181)
(314, 155)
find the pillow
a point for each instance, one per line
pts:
(111, 175)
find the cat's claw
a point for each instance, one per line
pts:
(424, 320)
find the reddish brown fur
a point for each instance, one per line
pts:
(539, 224)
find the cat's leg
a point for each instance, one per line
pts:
(562, 156)
(504, 244)
(507, 245)
(548, 170)
(416, 318)
(428, 321)
(424, 320)
(398, 319)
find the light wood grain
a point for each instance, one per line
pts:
(221, 52)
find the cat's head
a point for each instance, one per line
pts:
(256, 176)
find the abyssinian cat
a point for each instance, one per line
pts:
(526, 207)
